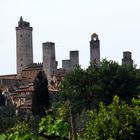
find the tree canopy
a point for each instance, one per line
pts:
(86, 88)
(117, 121)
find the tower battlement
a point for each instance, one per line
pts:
(127, 58)
(23, 25)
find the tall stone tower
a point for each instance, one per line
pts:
(74, 58)
(24, 49)
(95, 49)
(49, 61)
(127, 58)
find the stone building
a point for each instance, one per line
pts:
(31, 71)
(26, 68)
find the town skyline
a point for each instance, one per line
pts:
(70, 26)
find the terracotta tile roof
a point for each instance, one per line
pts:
(10, 77)
(34, 67)
(24, 90)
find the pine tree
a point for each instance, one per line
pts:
(40, 98)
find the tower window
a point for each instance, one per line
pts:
(21, 59)
(21, 35)
(28, 35)
(94, 38)
(21, 65)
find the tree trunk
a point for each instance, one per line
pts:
(73, 125)
(35, 127)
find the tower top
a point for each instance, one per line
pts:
(23, 25)
(127, 55)
(94, 37)
(127, 58)
(21, 19)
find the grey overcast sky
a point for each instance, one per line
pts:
(70, 23)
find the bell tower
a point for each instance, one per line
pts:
(24, 48)
(95, 49)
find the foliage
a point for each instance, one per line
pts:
(40, 99)
(84, 89)
(50, 127)
(114, 122)
(54, 125)
(73, 89)
(115, 79)
(7, 117)
(21, 131)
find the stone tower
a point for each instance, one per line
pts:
(127, 58)
(49, 61)
(24, 49)
(95, 49)
(70, 64)
(74, 58)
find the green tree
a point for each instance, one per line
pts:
(7, 117)
(117, 121)
(40, 98)
(115, 79)
(21, 131)
(54, 125)
(73, 91)
(84, 89)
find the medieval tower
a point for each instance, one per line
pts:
(70, 64)
(95, 49)
(127, 58)
(24, 49)
(49, 61)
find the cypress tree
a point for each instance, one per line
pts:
(40, 98)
